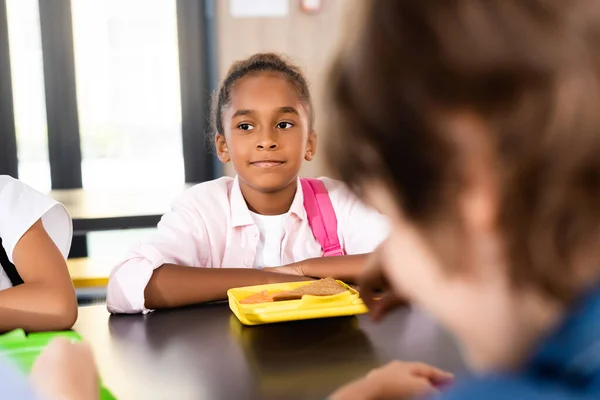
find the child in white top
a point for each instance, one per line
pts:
(36, 292)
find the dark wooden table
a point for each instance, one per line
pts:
(205, 353)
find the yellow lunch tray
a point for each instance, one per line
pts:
(309, 307)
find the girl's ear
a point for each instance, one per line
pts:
(311, 146)
(222, 149)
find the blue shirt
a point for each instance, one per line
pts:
(566, 365)
(13, 385)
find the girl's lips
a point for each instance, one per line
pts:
(267, 163)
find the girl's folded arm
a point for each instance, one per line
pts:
(175, 285)
(46, 300)
(167, 271)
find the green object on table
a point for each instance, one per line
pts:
(24, 349)
(17, 334)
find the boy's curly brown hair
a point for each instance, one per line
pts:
(530, 69)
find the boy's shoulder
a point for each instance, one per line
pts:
(502, 387)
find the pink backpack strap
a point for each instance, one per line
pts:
(321, 216)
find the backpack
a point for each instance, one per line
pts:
(321, 216)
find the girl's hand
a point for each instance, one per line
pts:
(375, 289)
(396, 380)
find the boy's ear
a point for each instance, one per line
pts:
(311, 146)
(478, 200)
(222, 149)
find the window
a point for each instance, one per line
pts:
(28, 92)
(107, 77)
(127, 76)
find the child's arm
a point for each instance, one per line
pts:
(175, 285)
(168, 269)
(46, 300)
(344, 268)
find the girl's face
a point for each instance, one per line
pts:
(267, 132)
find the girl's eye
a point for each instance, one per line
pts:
(285, 125)
(246, 127)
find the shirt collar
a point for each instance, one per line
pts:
(240, 214)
